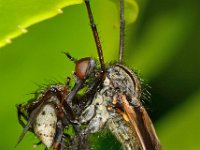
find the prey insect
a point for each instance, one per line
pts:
(116, 103)
(46, 116)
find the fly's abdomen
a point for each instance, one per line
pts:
(45, 125)
(123, 132)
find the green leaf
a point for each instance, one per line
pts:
(131, 11)
(16, 16)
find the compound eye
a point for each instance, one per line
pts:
(84, 67)
(53, 89)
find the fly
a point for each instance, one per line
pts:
(112, 100)
(116, 101)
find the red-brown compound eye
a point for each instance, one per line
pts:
(84, 67)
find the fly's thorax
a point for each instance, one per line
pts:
(123, 80)
(45, 124)
(118, 79)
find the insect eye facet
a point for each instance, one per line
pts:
(84, 67)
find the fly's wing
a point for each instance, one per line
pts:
(132, 116)
(150, 129)
(142, 126)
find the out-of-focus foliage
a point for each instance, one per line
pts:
(16, 16)
(183, 124)
(163, 45)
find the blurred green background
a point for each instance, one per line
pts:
(163, 46)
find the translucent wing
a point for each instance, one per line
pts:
(142, 126)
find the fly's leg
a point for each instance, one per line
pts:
(95, 115)
(59, 135)
(89, 115)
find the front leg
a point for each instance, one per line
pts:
(58, 136)
(89, 115)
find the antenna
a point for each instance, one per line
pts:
(70, 57)
(96, 35)
(122, 27)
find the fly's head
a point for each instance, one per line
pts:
(85, 68)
